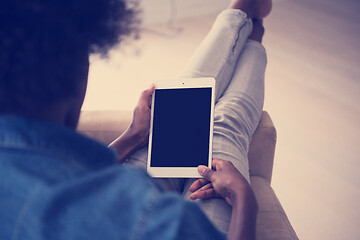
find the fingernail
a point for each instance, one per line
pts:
(201, 169)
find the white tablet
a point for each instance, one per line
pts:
(181, 128)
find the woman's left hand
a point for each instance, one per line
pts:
(137, 134)
(140, 124)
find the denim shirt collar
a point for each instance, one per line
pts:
(37, 135)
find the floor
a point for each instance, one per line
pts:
(312, 94)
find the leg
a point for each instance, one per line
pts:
(215, 57)
(236, 116)
(139, 159)
(239, 110)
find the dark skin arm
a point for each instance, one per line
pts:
(137, 134)
(227, 182)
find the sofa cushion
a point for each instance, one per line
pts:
(272, 222)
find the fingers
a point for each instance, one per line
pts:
(206, 172)
(206, 187)
(202, 188)
(146, 96)
(149, 91)
(205, 194)
(198, 184)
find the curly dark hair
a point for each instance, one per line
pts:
(43, 44)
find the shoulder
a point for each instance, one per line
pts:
(99, 205)
(118, 202)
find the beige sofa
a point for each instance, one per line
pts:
(272, 222)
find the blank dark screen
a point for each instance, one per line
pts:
(181, 127)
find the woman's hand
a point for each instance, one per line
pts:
(140, 124)
(137, 133)
(226, 182)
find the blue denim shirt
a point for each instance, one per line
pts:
(57, 184)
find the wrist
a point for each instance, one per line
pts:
(126, 144)
(244, 212)
(244, 198)
(242, 194)
(135, 137)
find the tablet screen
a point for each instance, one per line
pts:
(181, 127)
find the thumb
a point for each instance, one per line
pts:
(206, 172)
(150, 90)
(147, 94)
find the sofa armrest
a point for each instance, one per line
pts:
(104, 126)
(272, 222)
(262, 148)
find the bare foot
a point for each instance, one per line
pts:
(253, 8)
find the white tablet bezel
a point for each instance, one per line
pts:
(181, 172)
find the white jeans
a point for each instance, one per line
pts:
(238, 66)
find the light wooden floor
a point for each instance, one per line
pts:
(312, 94)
